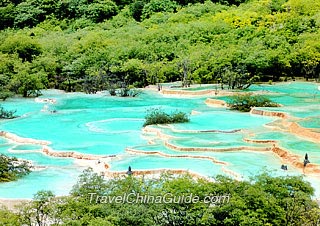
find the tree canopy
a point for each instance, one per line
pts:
(72, 44)
(264, 200)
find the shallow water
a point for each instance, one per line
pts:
(103, 125)
(145, 162)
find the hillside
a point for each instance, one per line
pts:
(89, 45)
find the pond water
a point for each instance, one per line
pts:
(103, 125)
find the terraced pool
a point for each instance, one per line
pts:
(106, 126)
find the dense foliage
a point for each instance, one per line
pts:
(158, 116)
(11, 168)
(264, 200)
(29, 13)
(245, 102)
(78, 45)
(5, 94)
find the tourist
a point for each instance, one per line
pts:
(129, 172)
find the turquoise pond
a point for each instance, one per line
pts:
(103, 125)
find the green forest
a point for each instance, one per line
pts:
(92, 45)
(264, 200)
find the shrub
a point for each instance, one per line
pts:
(158, 116)
(245, 102)
(5, 94)
(5, 114)
(11, 168)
